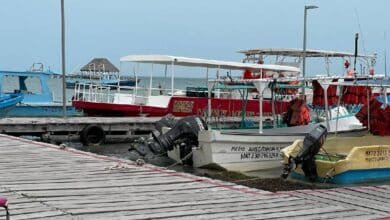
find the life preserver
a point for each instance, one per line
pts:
(92, 135)
(298, 113)
(247, 74)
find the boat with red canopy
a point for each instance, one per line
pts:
(98, 100)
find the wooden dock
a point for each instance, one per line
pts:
(43, 181)
(57, 130)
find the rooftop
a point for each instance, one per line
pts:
(100, 65)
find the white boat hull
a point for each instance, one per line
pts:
(247, 150)
(238, 152)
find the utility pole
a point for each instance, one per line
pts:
(63, 58)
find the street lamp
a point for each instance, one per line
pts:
(307, 7)
(63, 58)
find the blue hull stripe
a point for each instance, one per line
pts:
(354, 176)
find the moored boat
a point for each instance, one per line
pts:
(258, 149)
(248, 150)
(345, 164)
(8, 101)
(145, 101)
(37, 97)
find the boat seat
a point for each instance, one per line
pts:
(344, 155)
(330, 157)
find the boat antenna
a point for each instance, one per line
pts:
(356, 53)
(360, 31)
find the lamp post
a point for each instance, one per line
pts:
(63, 58)
(307, 7)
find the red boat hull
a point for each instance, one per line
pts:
(182, 106)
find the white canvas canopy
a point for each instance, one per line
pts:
(196, 62)
(292, 52)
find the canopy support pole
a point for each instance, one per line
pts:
(172, 76)
(120, 68)
(151, 81)
(273, 103)
(165, 78)
(261, 112)
(136, 81)
(119, 80)
(260, 86)
(218, 91)
(208, 115)
(338, 108)
(325, 85)
(207, 76)
(368, 109)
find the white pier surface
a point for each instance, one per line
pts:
(43, 181)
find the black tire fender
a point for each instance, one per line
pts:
(92, 135)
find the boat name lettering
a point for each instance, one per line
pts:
(183, 106)
(237, 148)
(257, 152)
(377, 155)
(259, 155)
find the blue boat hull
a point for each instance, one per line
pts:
(354, 176)
(9, 101)
(121, 83)
(41, 111)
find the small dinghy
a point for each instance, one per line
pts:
(8, 101)
(345, 164)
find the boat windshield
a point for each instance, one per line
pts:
(24, 84)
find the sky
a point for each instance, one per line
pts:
(211, 29)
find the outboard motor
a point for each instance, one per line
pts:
(184, 133)
(311, 146)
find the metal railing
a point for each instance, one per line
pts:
(113, 94)
(93, 93)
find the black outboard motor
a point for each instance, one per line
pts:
(185, 132)
(311, 146)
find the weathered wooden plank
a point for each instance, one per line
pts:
(372, 192)
(264, 213)
(362, 217)
(322, 196)
(38, 215)
(203, 193)
(31, 210)
(100, 184)
(355, 214)
(155, 190)
(196, 211)
(32, 178)
(72, 178)
(177, 196)
(357, 200)
(364, 194)
(141, 208)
